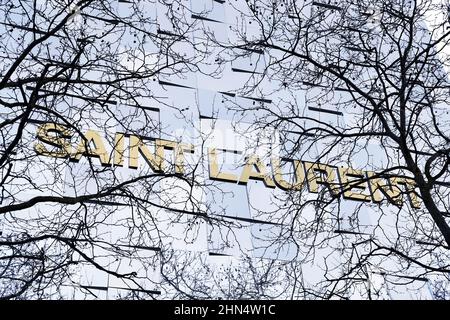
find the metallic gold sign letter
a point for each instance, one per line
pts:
(315, 174)
(259, 174)
(278, 175)
(348, 185)
(59, 140)
(155, 161)
(85, 148)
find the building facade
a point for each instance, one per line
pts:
(182, 157)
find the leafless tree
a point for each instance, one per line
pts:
(72, 72)
(350, 96)
(361, 85)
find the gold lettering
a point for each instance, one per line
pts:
(354, 187)
(410, 185)
(179, 149)
(299, 173)
(380, 186)
(119, 149)
(278, 175)
(137, 147)
(349, 184)
(99, 150)
(259, 174)
(60, 140)
(314, 179)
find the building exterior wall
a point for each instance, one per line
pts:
(203, 236)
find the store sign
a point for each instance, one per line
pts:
(351, 183)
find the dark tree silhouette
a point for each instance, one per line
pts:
(72, 72)
(361, 85)
(341, 175)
